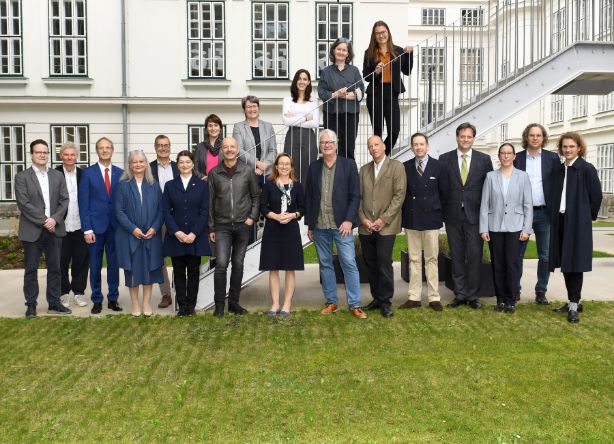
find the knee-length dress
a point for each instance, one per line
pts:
(281, 248)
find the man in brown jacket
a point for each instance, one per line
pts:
(382, 192)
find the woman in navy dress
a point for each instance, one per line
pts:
(282, 203)
(186, 212)
(138, 209)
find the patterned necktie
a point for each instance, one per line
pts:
(464, 169)
(107, 181)
(420, 168)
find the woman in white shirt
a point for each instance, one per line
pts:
(302, 116)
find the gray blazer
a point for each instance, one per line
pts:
(515, 209)
(31, 204)
(243, 133)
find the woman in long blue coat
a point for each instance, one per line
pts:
(138, 209)
(186, 211)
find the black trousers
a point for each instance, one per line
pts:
(231, 241)
(466, 251)
(75, 255)
(345, 125)
(186, 273)
(504, 251)
(573, 283)
(51, 246)
(377, 253)
(383, 106)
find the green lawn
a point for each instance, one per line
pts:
(600, 223)
(459, 376)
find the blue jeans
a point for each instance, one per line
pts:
(347, 257)
(541, 227)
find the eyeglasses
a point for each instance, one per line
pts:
(381, 34)
(163, 145)
(506, 153)
(328, 142)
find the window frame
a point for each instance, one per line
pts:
(557, 108)
(472, 17)
(63, 38)
(477, 69)
(439, 13)
(439, 74)
(328, 41)
(11, 37)
(15, 166)
(54, 146)
(212, 40)
(437, 113)
(266, 41)
(605, 166)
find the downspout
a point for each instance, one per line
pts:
(124, 81)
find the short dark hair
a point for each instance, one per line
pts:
(161, 136)
(506, 144)
(294, 87)
(339, 41)
(525, 134)
(465, 125)
(414, 135)
(185, 153)
(37, 142)
(576, 137)
(252, 99)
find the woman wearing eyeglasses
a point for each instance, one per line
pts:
(382, 67)
(506, 220)
(341, 89)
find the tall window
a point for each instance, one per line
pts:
(556, 108)
(12, 158)
(10, 38)
(434, 59)
(206, 45)
(559, 29)
(433, 16)
(471, 17)
(605, 103)
(503, 132)
(196, 134)
(471, 64)
(270, 40)
(437, 109)
(333, 21)
(605, 166)
(606, 9)
(67, 38)
(578, 106)
(77, 134)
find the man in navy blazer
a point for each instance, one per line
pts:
(467, 169)
(541, 166)
(164, 170)
(332, 196)
(426, 181)
(97, 191)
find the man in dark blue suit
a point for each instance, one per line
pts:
(97, 191)
(422, 220)
(541, 166)
(467, 169)
(164, 170)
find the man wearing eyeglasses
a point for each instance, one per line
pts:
(42, 199)
(164, 170)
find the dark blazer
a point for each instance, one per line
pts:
(31, 204)
(79, 172)
(154, 169)
(423, 199)
(346, 192)
(132, 213)
(186, 210)
(96, 207)
(459, 198)
(550, 165)
(403, 64)
(574, 253)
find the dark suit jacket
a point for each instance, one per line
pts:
(459, 198)
(31, 204)
(346, 192)
(423, 200)
(79, 172)
(550, 167)
(96, 207)
(154, 169)
(403, 64)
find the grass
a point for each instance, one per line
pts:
(601, 223)
(459, 376)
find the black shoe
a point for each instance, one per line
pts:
(474, 304)
(191, 311)
(565, 308)
(456, 303)
(113, 305)
(510, 309)
(517, 296)
(97, 308)
(211, 263)
(59, 310)
(31, 311)
(500, 307)
(373, 305)
(234, 307)
(540, 298)
(386, 311)
(572, 316)
(181, 313)
(219, 311)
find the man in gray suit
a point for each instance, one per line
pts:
(42, 199)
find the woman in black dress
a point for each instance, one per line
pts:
(282, 202)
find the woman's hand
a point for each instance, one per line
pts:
(524, 236)
(138, 233)
(150, 233)
(180, 235)
(379, 68)
(408, 49)
(485, 236)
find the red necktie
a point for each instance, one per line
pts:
(107, 181)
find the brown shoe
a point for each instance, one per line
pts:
(410, 304)
(436, 305)
(166, 301)
(357, 312)
(329, 309)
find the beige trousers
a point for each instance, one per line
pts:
(427, 241)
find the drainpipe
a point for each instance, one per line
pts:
(124, 81)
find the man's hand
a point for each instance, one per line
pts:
(345, 228)
(90, 238)
(367, 224)
(212, 237)
(50, 224)
(378, 225)
(249, 221)
(310, 235)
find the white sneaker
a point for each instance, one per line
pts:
(80, 300)
(64, 300)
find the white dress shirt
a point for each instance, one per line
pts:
(165, 174)
(534, 170)
(563, 206)
(185, 181)
(378, 166)
(299, 111)
(43, 180)
(73, 222)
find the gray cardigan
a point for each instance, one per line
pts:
(245, 139)
(331, 79)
